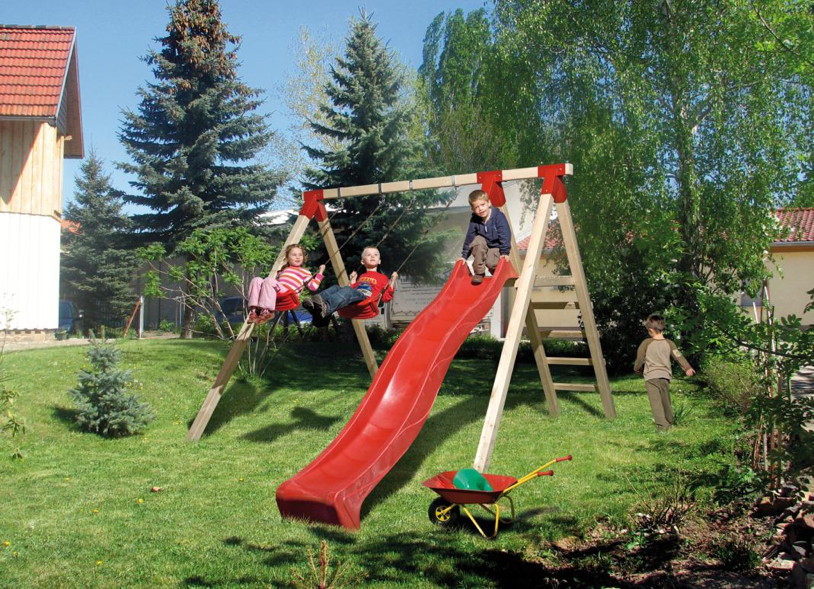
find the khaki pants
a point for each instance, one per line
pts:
(483, 256)
(658, 393)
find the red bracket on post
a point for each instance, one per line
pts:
(491, 185)
(552, 181)
(313, 207)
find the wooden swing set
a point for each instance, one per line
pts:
(527, 300)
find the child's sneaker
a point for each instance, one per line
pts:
(477, 278)
(264, 316)
(308, 305)
(252, 318)
(320, 306)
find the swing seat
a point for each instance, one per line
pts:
(287, 301)
(362, 310)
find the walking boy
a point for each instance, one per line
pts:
(488, 237)
(363, 293)
(653, 360)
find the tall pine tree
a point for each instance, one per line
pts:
(368, 119)
(96, 269)
(194, 132)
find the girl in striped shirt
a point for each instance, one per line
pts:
(265, 293)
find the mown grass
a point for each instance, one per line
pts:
(78, 511)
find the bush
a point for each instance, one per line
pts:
(733, 384)
(103, 404)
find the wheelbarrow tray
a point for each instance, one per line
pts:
(443, 485)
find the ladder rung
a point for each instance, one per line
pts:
(570, 361)
(585, 388)
(554, 281)
(562, 332)
(554, 305)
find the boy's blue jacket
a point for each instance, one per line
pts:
(496, 231)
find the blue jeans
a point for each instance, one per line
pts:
(336, 297)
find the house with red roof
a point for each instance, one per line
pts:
(40, 126)
(792, 265)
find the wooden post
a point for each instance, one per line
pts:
(515, 330)
(585, 307)
(342, 275)
(238, 347)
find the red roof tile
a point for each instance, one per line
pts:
(799, 222)
(33, 67)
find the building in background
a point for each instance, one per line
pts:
(40, 125)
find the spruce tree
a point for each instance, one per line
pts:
(96, 269)
(103, 404)
(368, 119)
(195, 132)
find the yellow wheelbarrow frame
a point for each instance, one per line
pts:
(444, 510)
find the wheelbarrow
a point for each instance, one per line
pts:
(460, 488)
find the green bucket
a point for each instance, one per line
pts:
(471, 479)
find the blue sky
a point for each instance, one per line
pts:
(113, 35)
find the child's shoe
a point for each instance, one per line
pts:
(252, 318)
(320, 306)
(477, 278)
(264, 316)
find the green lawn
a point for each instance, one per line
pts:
(78, 511)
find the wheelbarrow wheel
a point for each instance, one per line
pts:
(441, 518)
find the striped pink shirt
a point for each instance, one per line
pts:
(292, 278)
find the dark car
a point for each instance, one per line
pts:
(70, 317)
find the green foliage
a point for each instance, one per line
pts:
(733, 384)
(777, 348)
(682, 149)
(11, 424)
(96, 269)
(193, 133)
(738, 554)
(103, 404)
(215, 263)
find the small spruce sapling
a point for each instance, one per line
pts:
(103, 404)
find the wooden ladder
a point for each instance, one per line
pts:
(524, 316)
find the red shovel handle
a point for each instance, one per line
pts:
(547, 473)
(564, 458)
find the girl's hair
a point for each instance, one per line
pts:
(288, 250)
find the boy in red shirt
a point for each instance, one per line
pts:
(360, 300)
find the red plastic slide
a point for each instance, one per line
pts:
(332, 488)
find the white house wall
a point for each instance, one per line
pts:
(29, 272)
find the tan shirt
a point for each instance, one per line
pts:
(653, 358)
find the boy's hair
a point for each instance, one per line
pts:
(370, 247)
(291, 247)
(655, 322)
(477, 195)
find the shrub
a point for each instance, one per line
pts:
(103, 404)
(10, 423)
(732, 384)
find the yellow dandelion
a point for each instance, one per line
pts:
(95, 511)
(139, 500)
(98, 563)
(6, 543)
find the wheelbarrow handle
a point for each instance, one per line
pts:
(548, 473)
(563, 458)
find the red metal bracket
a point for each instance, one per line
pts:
(313, 207)
(491, 185)
(552, 181)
